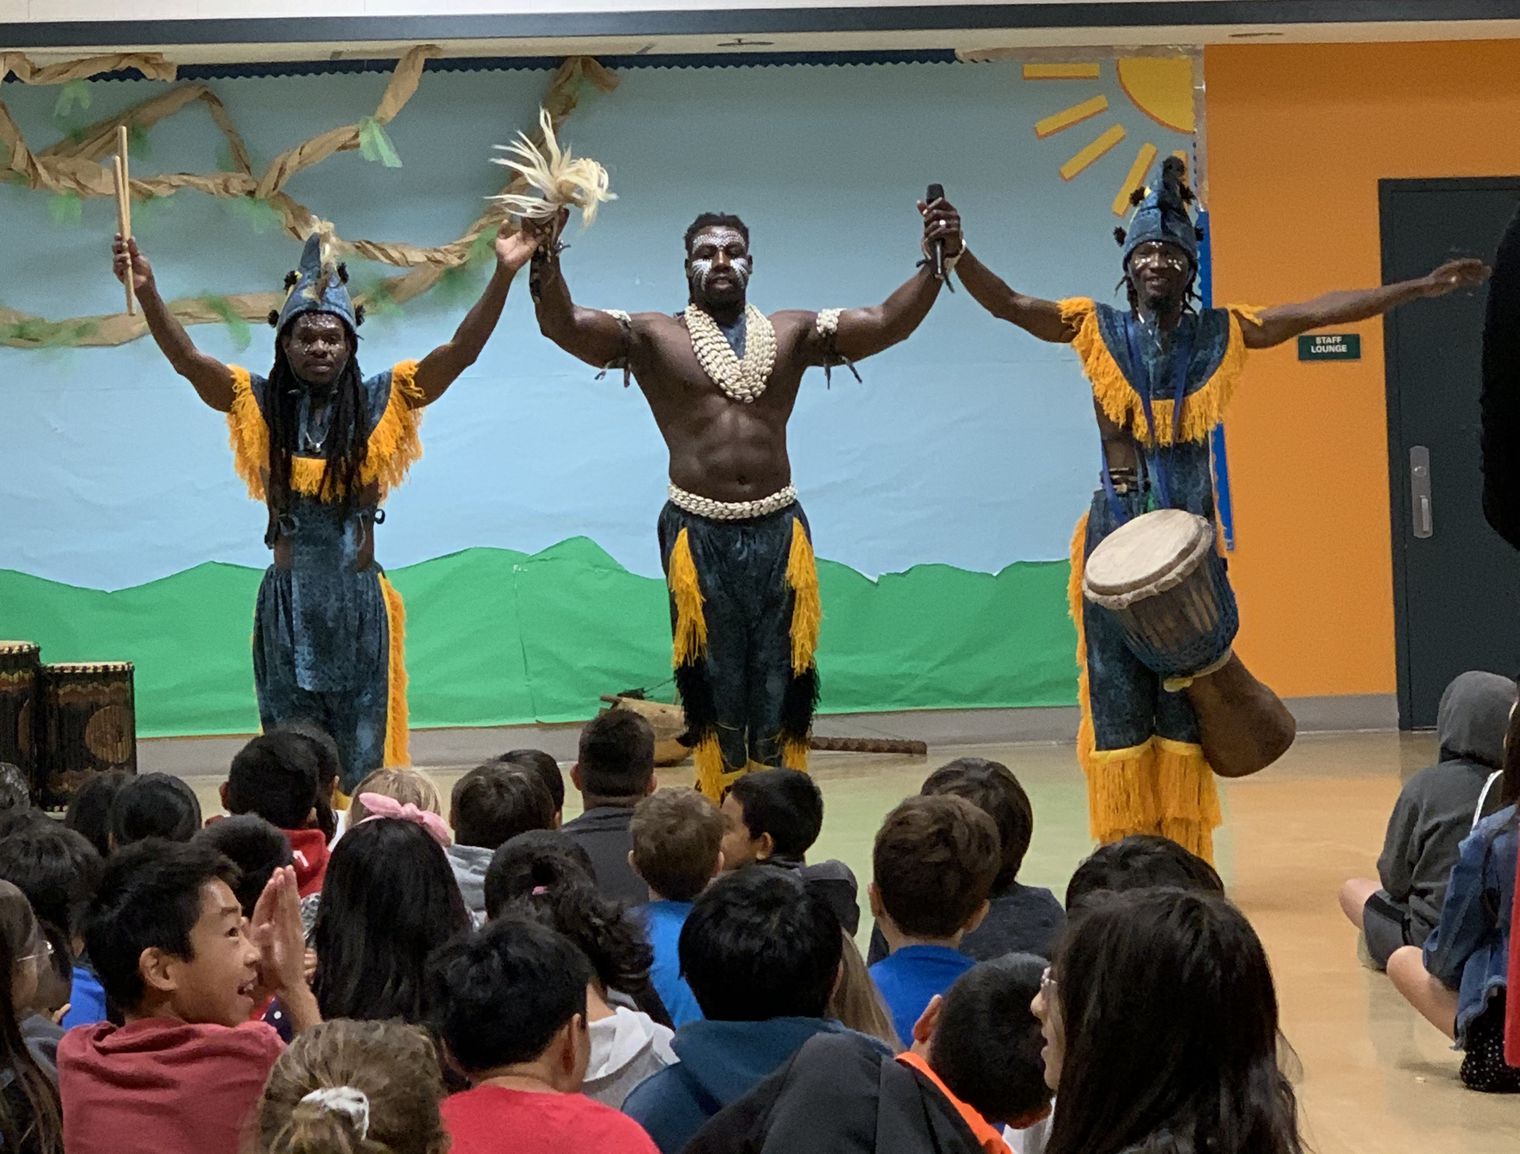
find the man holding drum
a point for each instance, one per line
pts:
(321, 445)
(1163, 698)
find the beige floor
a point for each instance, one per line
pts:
(1375, 1078)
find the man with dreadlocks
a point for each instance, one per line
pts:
(1161, 374)
(721, 378)
(322, 445)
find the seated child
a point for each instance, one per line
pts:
(153, 805)
(255, 847)
(357, 1087)
(329, 773)
(762, 953)
(677, 834)
(1138, 862)
(1460, 983)
(31, 1120)
(1435, 811)
(614, 772)
(489, 806)
(275, 777)
(773, 817)
(627, 1044)
(548, 772)
(509, 1003)
(89, 811)
(1020, 918)
(934, 862)
(408, 786)
(185, 1070)
(974, 1065)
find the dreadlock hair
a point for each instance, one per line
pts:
(715, 220)
(347, 441)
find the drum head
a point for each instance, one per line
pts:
(1149, 554)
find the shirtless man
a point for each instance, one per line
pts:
(721, 379)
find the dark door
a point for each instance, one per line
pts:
(1455, 581)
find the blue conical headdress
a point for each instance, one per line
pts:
(321, 284)
(1163, 213)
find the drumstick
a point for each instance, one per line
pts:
(124, 209)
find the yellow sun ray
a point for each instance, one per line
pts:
(1061, 121)
(1073, 71)
(1135, 177)
(1097, 149)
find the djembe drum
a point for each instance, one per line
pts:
(19, 663)
(89, 725)
(1162, 578)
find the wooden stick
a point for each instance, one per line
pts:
(124, 208)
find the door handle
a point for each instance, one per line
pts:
(1419, 491)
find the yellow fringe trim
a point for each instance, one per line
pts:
(686, 591)
(713, 774)
(397, 732)
(1189, 800)
(393, 446)
(1204, 407)
(807, 610)
(794, 754)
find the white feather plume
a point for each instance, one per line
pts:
(557, 180)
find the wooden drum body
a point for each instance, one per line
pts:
(89, 725)
(1163, 580)
(20, 708)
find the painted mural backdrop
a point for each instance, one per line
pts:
(942, 491)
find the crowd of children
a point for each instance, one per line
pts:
(667, 974)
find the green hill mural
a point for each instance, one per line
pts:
(497, 637)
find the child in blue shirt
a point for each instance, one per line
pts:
(934, 863)
(677, 835)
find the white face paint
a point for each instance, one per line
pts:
(705, 247)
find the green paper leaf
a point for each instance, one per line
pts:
(151, 211)
(259, 215)
(237, 326)
(34, 332)
(66, 209)
(482, 248)
(375, 145)
(77, 134)
(379, 304)
(458, 285)
(74, 94)
(137, 142)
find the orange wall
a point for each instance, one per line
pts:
(1298, 137)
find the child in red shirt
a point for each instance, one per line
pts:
(170, 944)
(510, 1005)
(277, 776)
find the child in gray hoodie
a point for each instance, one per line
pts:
(490, 805)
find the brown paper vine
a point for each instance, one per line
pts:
(76, 167)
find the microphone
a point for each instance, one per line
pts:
(936, 247)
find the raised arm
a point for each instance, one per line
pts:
(211, 378)
(864, 332)
(1037, 317)
(1284, 322)
(443, 366)
(596, 337)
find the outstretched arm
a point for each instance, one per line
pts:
(1284, 322)
(594, 336)
(1039, 318)
(443, 366)
(211, 378)
(867, 331)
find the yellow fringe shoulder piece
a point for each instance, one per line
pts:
(394, 445)
(686, 591)
(248, 433)
(397, 728)
(807, 609)
(1111, 389)
(1205, 406)
(1250, 313)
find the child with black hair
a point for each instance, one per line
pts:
(89, 811)
(509, 1003)
(934, 862)
(489, 806)
(1140, 861)
(167, 937)
(548, 772)
(762, 954)
(1020, 918)
(627, 1044)
(31, 1119)
(329, 773)
(614, 772)
(256, 847)
(677, 849)
(539, 859)
(58, 869)
(973, 1065)
(277, 777)
(772, 817)
(156, 805)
